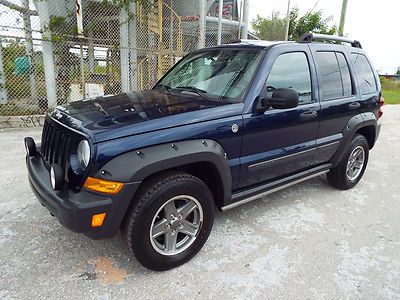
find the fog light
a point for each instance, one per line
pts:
(97, 220)
(30, 146)
(103, 186)
(56, 176)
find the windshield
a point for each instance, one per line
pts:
(223, 74)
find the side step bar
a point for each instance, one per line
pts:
(243, 197)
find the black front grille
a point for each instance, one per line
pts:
(56, 144)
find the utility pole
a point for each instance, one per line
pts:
(342, 17)
(287, 21)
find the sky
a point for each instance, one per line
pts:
(376, 24)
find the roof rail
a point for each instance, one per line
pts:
(309, 37)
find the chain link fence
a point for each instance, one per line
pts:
(125, 46)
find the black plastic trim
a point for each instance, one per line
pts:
(354, 124)
(75, 209)
(139, 164)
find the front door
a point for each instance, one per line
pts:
(280, 142)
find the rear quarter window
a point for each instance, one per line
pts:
(335, 75)
(365, 74)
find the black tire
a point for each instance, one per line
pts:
(337, 176)
(152, 196)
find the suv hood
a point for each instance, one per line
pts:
(139, 112)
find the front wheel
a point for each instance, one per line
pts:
(352, 167)
(170, 220)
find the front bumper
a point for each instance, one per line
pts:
(74, 210)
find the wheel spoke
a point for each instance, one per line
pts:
(170, 241)
(355, 163)
(159, 228)
(358, 153)
(174, 228)
(189, 228)
(170, 209)
(187, 209)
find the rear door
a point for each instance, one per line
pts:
(279, 142)
(338, 97)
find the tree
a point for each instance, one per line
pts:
(310, 22)
(273, 27)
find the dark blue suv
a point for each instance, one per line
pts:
(224, 126)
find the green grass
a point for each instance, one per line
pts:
(391, 96)
(391, 91)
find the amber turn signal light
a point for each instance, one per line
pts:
(103, 186)
(97, 220)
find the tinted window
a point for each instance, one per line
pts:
(344, 70)
(365, 74)
(291, 70)
(329, 71)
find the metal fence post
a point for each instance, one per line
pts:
(29, 49)
(124, 51)
(245, 19)
(202, 24)
(82, 64)
(3, 91)
(221, 4)
(133, 46)
(47, 48)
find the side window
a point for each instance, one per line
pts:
(366, 78)
(335, 75)
(291, 70)
(345, 72)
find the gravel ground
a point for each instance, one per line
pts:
(308, 241)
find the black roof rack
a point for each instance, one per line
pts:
(309, 37)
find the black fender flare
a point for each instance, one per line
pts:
(353, 125)
(137, 165)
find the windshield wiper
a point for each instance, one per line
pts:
(191, 88)
(166, 87)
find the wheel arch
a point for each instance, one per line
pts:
(364, 124)
(205, 159)
(369, 132)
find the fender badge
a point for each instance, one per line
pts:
(235, 128)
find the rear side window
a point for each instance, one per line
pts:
(335, 75)
(345, 72)
(291, 70)
(365, 74)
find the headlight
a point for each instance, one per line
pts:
(83, 153)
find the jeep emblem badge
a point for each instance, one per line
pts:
(235, 128)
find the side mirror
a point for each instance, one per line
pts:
(281, 99)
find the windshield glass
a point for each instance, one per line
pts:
(223, 74)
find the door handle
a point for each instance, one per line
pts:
(308, 115)
(354, 105)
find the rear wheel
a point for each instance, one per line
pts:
(352, 167)
(170, 220)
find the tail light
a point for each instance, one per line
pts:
(381, 103)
